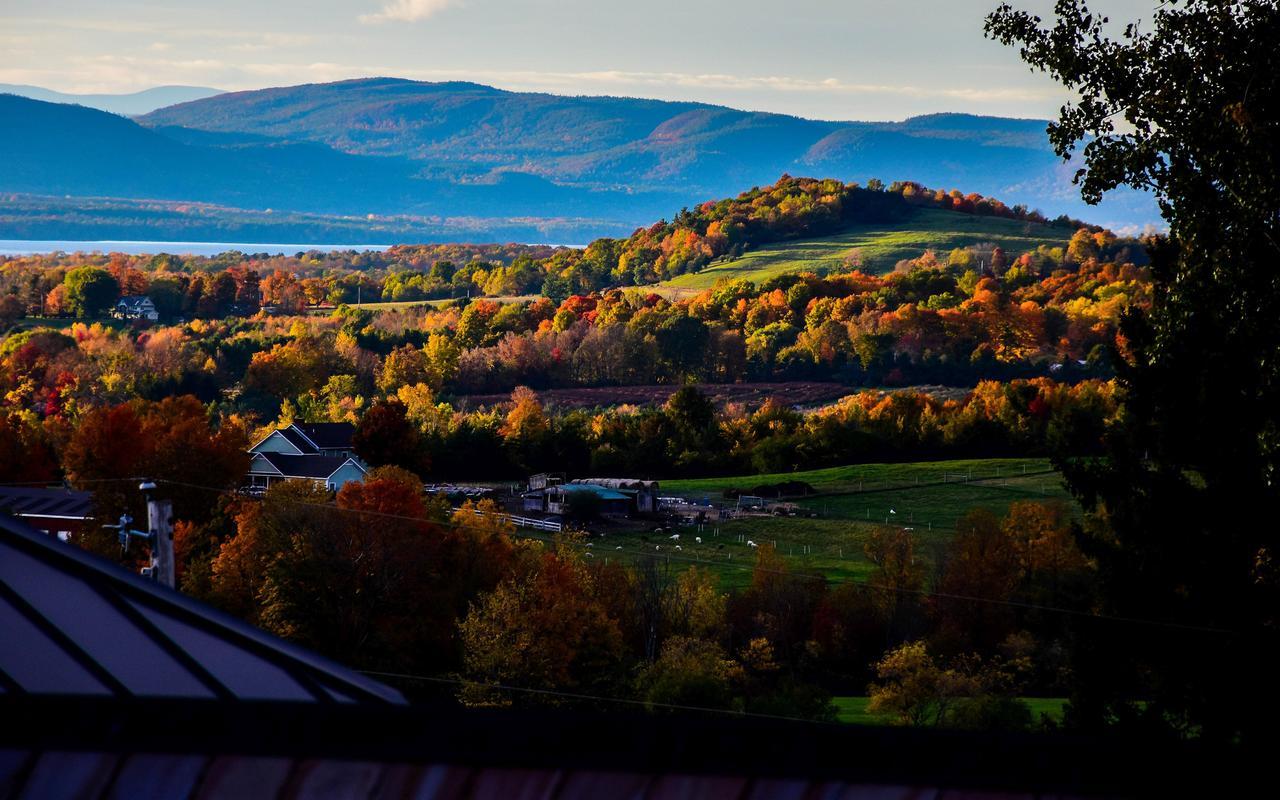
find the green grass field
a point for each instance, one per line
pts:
(401, 304)
(853, 710)
(851, 502)
(65, 323)
(880, 247)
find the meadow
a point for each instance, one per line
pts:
(850, 503)
(400, 305)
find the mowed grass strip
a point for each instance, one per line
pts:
(852, 710)
(396, 305)
(879, 247)
(866, 477)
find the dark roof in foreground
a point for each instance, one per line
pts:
(27, 501)
(73, 624)
(203, 749)
(111, 686)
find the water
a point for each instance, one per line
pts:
(22, 247)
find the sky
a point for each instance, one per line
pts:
(824, 59)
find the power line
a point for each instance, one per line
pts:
(594, 697)
(63, 485)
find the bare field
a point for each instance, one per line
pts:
(751, 394)
(795, 393)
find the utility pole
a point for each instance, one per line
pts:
(160, 529)
(158, 536)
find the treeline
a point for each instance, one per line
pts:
(192, 287)
(928, 325)
(420, 593)
(689, 436)
(543, 622)
(238, 284)
(936, 322)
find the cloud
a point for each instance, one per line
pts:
(406, 11)
(766, 82)
(814, 97)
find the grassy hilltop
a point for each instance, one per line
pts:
(878, 247)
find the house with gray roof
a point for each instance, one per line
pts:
(318, 451)
(136, 307)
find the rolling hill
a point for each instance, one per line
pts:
(878, 247)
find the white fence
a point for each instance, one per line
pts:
(529, 522)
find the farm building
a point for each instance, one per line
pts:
(544, 479)
(319, 452)
(570, 497)
(645, 493)
(59, 512)
(613, 497)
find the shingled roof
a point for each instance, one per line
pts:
(308, 466)
(327, 435)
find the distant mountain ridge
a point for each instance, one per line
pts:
(464, 131)
(448, 151)
(468, 129)
(129, 104)
(57, 149)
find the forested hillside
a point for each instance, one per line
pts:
(467, 129)
(57, 149)
(792, 226)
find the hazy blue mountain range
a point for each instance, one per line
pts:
(387, 146)
(57, 149)
(130, 104)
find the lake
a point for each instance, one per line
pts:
(22, 247)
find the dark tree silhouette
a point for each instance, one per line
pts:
(1188, 486)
